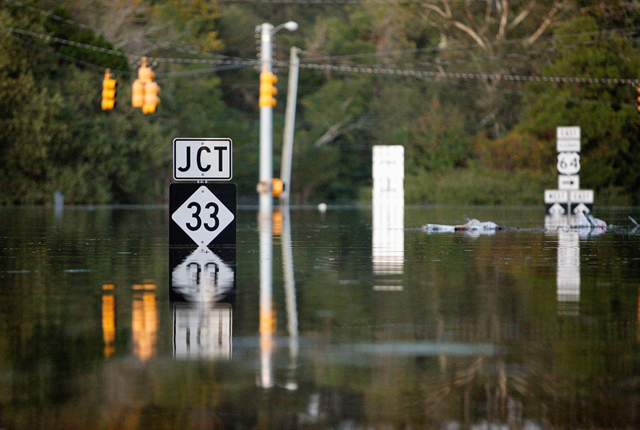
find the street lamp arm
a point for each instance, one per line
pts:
(291, 26)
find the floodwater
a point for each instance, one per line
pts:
(359, 326)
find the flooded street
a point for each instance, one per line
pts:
(368, 327)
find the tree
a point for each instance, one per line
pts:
(606, 113)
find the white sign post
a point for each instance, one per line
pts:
(568, 199)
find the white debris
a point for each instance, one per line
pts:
(472, 226)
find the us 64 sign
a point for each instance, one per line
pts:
(568, 163)
(202, 159)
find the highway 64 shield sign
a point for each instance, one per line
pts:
(202, 214)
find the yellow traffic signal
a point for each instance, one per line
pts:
(267, 89)
(151, 99)
(144, 90)
(277, 187)
(137, 95)
(639, 101)
(108, 91)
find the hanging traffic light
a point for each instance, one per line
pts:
(277, 187)
(151, 99)
(145, 90)
(137, 95)
(108, 91)
(267, 89)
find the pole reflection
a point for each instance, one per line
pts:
(279, 229)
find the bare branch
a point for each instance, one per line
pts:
(522, 15)
(438, 11)
(470, 32)
(333, 132)
(503, 20)
(556, 7)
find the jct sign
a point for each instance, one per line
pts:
(202, 159)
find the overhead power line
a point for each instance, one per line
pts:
(118, 53)
(78, 24)
(431, 75)
(463, 46)
(239, 63)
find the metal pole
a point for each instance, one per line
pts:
(266, 129)
(289, 125)
(267, 322)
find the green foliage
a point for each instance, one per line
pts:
(610, 156)
(462, 138)
(61, 30)
(476, 185)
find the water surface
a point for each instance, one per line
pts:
(369, 326)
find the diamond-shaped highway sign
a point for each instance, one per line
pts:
(203, 214)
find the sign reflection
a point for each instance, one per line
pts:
(202, 292)
(202, 331)
(569, 229)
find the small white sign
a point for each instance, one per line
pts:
(581, 196)
(568, 145)
(202, 216)
(556, 196)
(568, 132)
(568, 182)
(202, 159)
(568, 163)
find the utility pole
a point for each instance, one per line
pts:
(265, 186)
(289, 125)
(266, 126)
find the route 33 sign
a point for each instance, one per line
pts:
(202, 214)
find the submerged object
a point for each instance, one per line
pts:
(588, 220)
(471, 226)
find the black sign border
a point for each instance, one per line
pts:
(179, 192)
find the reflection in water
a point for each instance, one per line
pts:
(388, 217)
(291, 302)
(267, 326)
(108, 320)
(202, 277)
(281, 228)
(202, 290)
(365, 359)
(568, 278)
(202, 331)
(569, 229)
(144, 321)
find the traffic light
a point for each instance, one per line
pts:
(151, 99)
(108, 91)
(277, 187)
(267, 89)
(145, 90)
(137, 95)
(638, 101)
